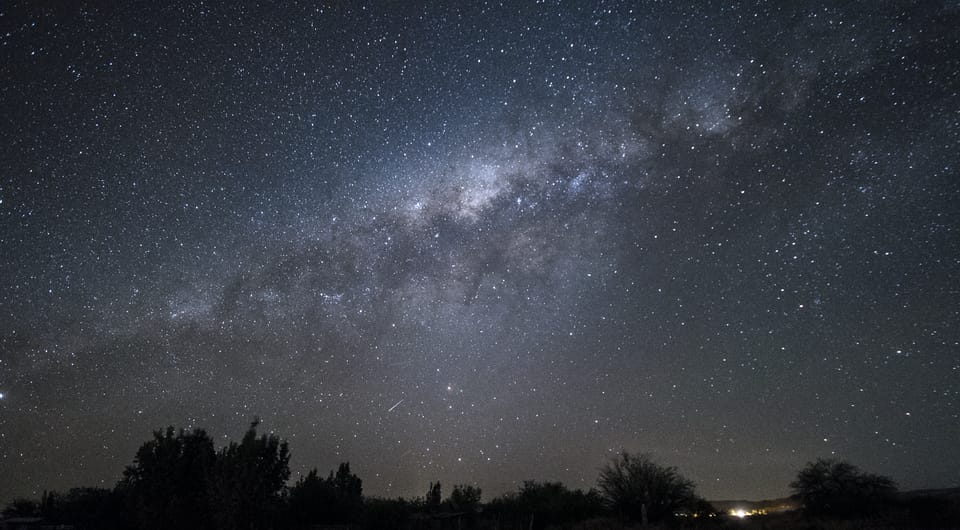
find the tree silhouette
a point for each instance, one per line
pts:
(167, 485)
(310, 499)
(540, 505)
(839, 488)
(247, 481)
(388, 514)
(464, 498)
(434, 497)
(639, 489)
(348, 489)
(338, 499)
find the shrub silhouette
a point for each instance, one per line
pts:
(639, 489)
(839, 488)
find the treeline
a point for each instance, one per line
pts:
(178, 480)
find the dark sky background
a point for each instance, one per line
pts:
(483, 242)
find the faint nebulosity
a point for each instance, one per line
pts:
(483, 242)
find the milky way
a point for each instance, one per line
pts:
(484, 243)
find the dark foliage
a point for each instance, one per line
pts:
(247, 482)
(434, 497)
(539, 505)
(638, 489)
(338, 499)
(22, 508)
(177, 480)
(168, 484)
(464, 498)
(388, 514)
(87, 509)
(928, 511)
(837, 488)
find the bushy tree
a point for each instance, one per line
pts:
(177, 480)
(310, 499)
(540, 505)
(247, 481)
(348, 489)
(434, 496)
(464, 498)
(338, 499)
(168, 484)
(639, 489)
(838, 488)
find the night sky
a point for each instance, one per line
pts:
(483, 242)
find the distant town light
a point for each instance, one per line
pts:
(742, 513)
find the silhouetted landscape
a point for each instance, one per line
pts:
(178, 480)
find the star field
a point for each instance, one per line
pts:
(485, 242)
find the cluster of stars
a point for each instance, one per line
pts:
(482, 243)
